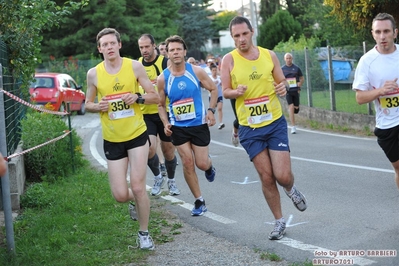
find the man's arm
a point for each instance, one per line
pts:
(150, 96)
(281, 85)
(208, 84)
(301, 81)
(162, 105)
(367, 96)
(3, 165)
(91, 106)
(228, 91)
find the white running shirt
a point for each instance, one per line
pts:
(371, 73)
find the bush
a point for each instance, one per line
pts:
(53, 160)
(36, 196)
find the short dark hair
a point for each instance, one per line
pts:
(175, 38)
(385, 16)
(149, 36)
(162, 43)
(239, 20)
(107, 31)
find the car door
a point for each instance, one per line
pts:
(65, 92)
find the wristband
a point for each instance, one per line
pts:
(212, 110)
(140, 99)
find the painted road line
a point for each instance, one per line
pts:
(286, 241)
(208, 214)
(345, 165)
(315, 249)
(318, 161)
(94, 151)
(334, 134)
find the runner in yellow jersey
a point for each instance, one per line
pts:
(154, 65)
(115, 83)
(252, 75)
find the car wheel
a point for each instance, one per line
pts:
(62, 109)
(82, 110)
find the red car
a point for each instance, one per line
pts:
(57, 89)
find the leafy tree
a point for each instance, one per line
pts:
(76, 35)
(279, 28)
(360, 13)
(21, 24)
(194, 25)
(333, 32)
(305, 12)
(221, 21)
(268, 8)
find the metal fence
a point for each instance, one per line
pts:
(14, 111)
(329, 73)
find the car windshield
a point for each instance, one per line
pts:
(42, 82)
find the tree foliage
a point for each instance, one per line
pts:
(279, 28)
(76, 35)
(21, 25)
(360, 13)
(268, 8)
(221, 21)
(194, 25)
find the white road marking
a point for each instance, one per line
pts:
(286, 241)
(94, 151)
(307, 247)
(208, 214)
(344, 165)
(320, 161)
(245, 181)
(333, 134)
(288, 222)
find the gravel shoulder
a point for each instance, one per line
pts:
(196, 247)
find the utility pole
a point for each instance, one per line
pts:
(254, 21)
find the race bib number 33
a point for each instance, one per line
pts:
(390, 102)
(118, 109)
(258, 110)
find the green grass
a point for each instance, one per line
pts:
(345, 101)
(76, 221)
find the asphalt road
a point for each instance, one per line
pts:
(353, 201)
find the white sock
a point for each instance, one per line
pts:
(281, 220)
(291, 191)
(200, 198)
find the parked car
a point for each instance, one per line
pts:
(57, 89)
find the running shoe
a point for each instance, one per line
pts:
(221, 126)
(293, 130)
(234, 139)
(144, 241)
(173, 190)
(199, 208)
(132, 211)
(211, 176)
(163, 170)
(298, 199)
(158, 184)
(278, 231)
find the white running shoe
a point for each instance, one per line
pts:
(144, 241)
(158, 184)
(278, 231)
(293, 130)
(173, 190)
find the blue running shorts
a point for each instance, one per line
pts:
(273, 137)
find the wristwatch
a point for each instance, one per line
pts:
(140, 99)
(212, 110)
